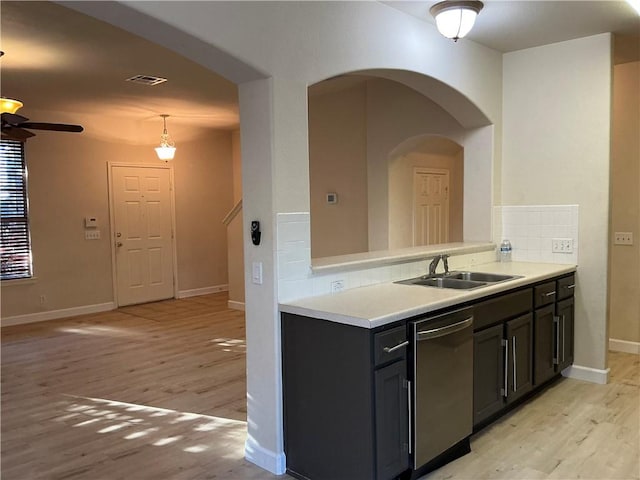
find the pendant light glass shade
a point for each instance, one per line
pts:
(455, 19)
(9, 105)
(167, 149)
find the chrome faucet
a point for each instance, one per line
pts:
(445, 261)
(434, 264)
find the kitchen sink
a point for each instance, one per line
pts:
(480, 276)
(459, 280)
(446, 282)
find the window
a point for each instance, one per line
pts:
(15, 246)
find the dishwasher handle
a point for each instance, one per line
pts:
(446, 330)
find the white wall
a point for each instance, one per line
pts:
(556, 139)
(296, 44)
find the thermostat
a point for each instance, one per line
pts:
(332, 198)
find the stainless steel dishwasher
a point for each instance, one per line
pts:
(443, 383)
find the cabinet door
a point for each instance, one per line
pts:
(565, 312)
(488, 373)
(543, 345)
(392, 420)
(519, 347)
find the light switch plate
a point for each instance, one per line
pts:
(623, 238)
(256, 273)
(92, 234)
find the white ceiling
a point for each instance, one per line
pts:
(507, 26)
(62, 61)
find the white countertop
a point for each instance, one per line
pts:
(378, 305)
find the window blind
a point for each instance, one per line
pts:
(15, 245)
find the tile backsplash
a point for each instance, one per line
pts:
(297, 280)
(532, 228)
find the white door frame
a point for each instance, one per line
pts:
(166, 166)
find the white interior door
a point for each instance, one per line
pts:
(430, 206)
(142, 227)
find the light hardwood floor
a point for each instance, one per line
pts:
(573, 430)
(157, 391)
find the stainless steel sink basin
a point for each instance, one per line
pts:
(480, 276)
(459, 280)
(446, 282)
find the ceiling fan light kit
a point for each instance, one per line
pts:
(9, 105)
(167, 150)
(455, 18)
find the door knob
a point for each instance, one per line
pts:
(118, 234)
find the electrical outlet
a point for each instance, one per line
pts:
(337, 286)
(562, 245)
(92, 234)
(43, 299)
(623, 238)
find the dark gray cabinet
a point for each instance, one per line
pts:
(488, 373)
(544, 367)
(502, 368)
(553, 328)
(392, 420)
(345, 398)
(565, 326)
(519, 343)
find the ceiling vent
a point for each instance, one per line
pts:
(146, 79)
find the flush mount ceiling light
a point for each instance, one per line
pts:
(167, 148)
(454, 18)
(9, 105)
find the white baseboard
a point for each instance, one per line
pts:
(55, 314)
(202, 291)
(593, 375)
(233, 305)
(624, 346)
(260, 456)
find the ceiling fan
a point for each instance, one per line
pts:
(16, 127)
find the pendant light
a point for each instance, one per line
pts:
(167, 149)
(455, 18)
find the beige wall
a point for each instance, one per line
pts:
(68, 181)
(556, 148)
(401, 171)
(235, 252)
(624, 287)
(204, 195)
(356, 128)
(338, 164)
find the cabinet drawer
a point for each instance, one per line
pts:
(395, 341)
(501, 308)
(565, 286)
(545, 294)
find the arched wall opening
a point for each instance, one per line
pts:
(426, 192)
(358, 123)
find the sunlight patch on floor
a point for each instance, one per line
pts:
(157, 427)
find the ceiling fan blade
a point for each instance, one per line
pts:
(58, 127)
(13, 118)
(15, 133)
